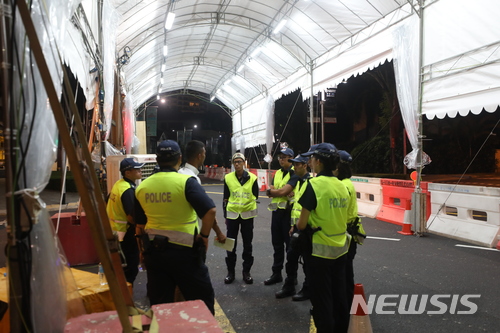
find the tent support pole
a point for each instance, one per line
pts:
(419, 198)
(311, 103)
(86, 181)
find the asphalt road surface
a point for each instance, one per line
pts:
(389, 265)
(442, 274)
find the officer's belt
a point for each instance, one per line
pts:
(164, 241)
(176, 237)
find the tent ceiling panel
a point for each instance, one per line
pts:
(461, 64)
(211, 39)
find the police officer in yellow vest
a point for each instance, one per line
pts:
(120, 209)
(240, 201)
(354, 226)
(292, 256)
(324, 204)
(174, 247)
(284, 182)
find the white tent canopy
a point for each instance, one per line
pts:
(461, 61)
(228, 49)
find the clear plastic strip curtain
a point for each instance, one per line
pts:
(406, 71)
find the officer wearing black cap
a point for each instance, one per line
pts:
(174, 248)
(284, 182)
(324, 207)
(292, 255)
(120, 210)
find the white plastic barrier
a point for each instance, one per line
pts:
(369, 194)
(220, 173)
(209, 172)
(469, 213)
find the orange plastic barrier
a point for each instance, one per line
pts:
(396, 198)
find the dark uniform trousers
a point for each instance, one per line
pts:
(349, 271)
(131, 253)
(292, 264)
(170, 265)
(232, 227)
(280, 237)
(327, 281)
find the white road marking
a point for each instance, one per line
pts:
(477, 247)
(383, 238)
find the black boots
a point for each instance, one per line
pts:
(247, 278)
(273, 279)
(302, 295)
(230, 263)
(229, 278)
(287, 290)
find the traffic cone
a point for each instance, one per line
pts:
(360, 321)
(406, 224)
(263, 188)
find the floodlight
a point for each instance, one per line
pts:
(169, 22)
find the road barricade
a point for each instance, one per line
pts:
(469, 213)
(264, 178)
(396, 198)
(220, 173)
(369, 195)
(209, 172)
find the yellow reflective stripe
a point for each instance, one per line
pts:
(331, 252)
(277, 205)
(272, 206)
(237, 203)
(175, 237)
(244, 215)
(231, 215)
(249, 214)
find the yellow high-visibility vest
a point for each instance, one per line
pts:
(114, 208)
(352, 208)
(330, 214)
(279, 182)
(162, 197)
(241, 201)
(297, 208)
